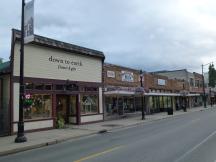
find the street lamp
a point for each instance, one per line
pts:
(140, 90)
(20, 134)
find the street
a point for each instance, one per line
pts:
(186, 138)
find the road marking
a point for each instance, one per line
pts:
(195, 147)
(98, 154)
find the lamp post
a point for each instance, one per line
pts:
(20, 134)
(140, 90)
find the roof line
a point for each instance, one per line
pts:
(61, 45)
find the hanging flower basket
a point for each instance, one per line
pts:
(28, 101)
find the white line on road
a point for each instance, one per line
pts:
(195, 147)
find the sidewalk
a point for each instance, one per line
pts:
(44, 138)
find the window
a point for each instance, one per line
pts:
(89, 104)
(72, 87)
(60, 87)
(197, 83)
(48, 87)
(191, 82)
(29, 86)
(91, 89)
(39, 86)
(37, 106)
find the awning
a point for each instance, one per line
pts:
(129, 93)
(120, 92)
(162, 94)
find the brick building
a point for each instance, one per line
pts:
(193, 85)
(120, 84)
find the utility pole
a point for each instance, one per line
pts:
(204, 95)
(141, 84)
(20, 134)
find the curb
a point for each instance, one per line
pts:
(43, 144)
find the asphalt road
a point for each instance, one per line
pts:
(185, 138)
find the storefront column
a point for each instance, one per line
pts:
(54, 110)
(100, 101)
(78, 117)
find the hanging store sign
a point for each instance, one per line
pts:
(29, 22)
(110, 74)
(127, 76)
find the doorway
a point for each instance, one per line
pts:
(66, 108)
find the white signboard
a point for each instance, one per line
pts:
(110, 74)
(29, 22)
(127, 76)
(161, 82)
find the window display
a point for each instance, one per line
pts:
(89, 104)
(37, 106)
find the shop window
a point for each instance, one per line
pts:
(72, 87)
(29, 86)
(39, 86)
(197, 83)
(191, 82)
(48, 87)
(89, 104)
(37, 106)
(60, 87)
(91, 89)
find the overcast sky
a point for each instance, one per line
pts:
(148, 34)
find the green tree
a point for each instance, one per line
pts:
(1, 60)
(212, 75)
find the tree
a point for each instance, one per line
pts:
(212, 75)
(1, 60)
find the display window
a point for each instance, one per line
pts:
(37, 106)
(89, 104)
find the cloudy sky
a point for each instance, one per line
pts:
(148, 34)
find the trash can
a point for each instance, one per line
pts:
(169, 111)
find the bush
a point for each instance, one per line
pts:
(60, 123)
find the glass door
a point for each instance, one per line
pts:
(61, 107)
(72, 109)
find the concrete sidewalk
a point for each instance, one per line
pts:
(44, 138)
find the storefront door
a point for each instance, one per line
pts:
(66, 108)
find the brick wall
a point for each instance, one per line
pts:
(117, 79)
(172, 85)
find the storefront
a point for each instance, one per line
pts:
(121, 102)
(160, 102)
(120, 84)
(62, 81)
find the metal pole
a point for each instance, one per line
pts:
(20, 134)
(204, 95)
(210, 96)
(141, 84)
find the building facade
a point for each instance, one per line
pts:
(62, 81)
(4, 98)
(162, 93)
(193, 88)
(120, 84)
